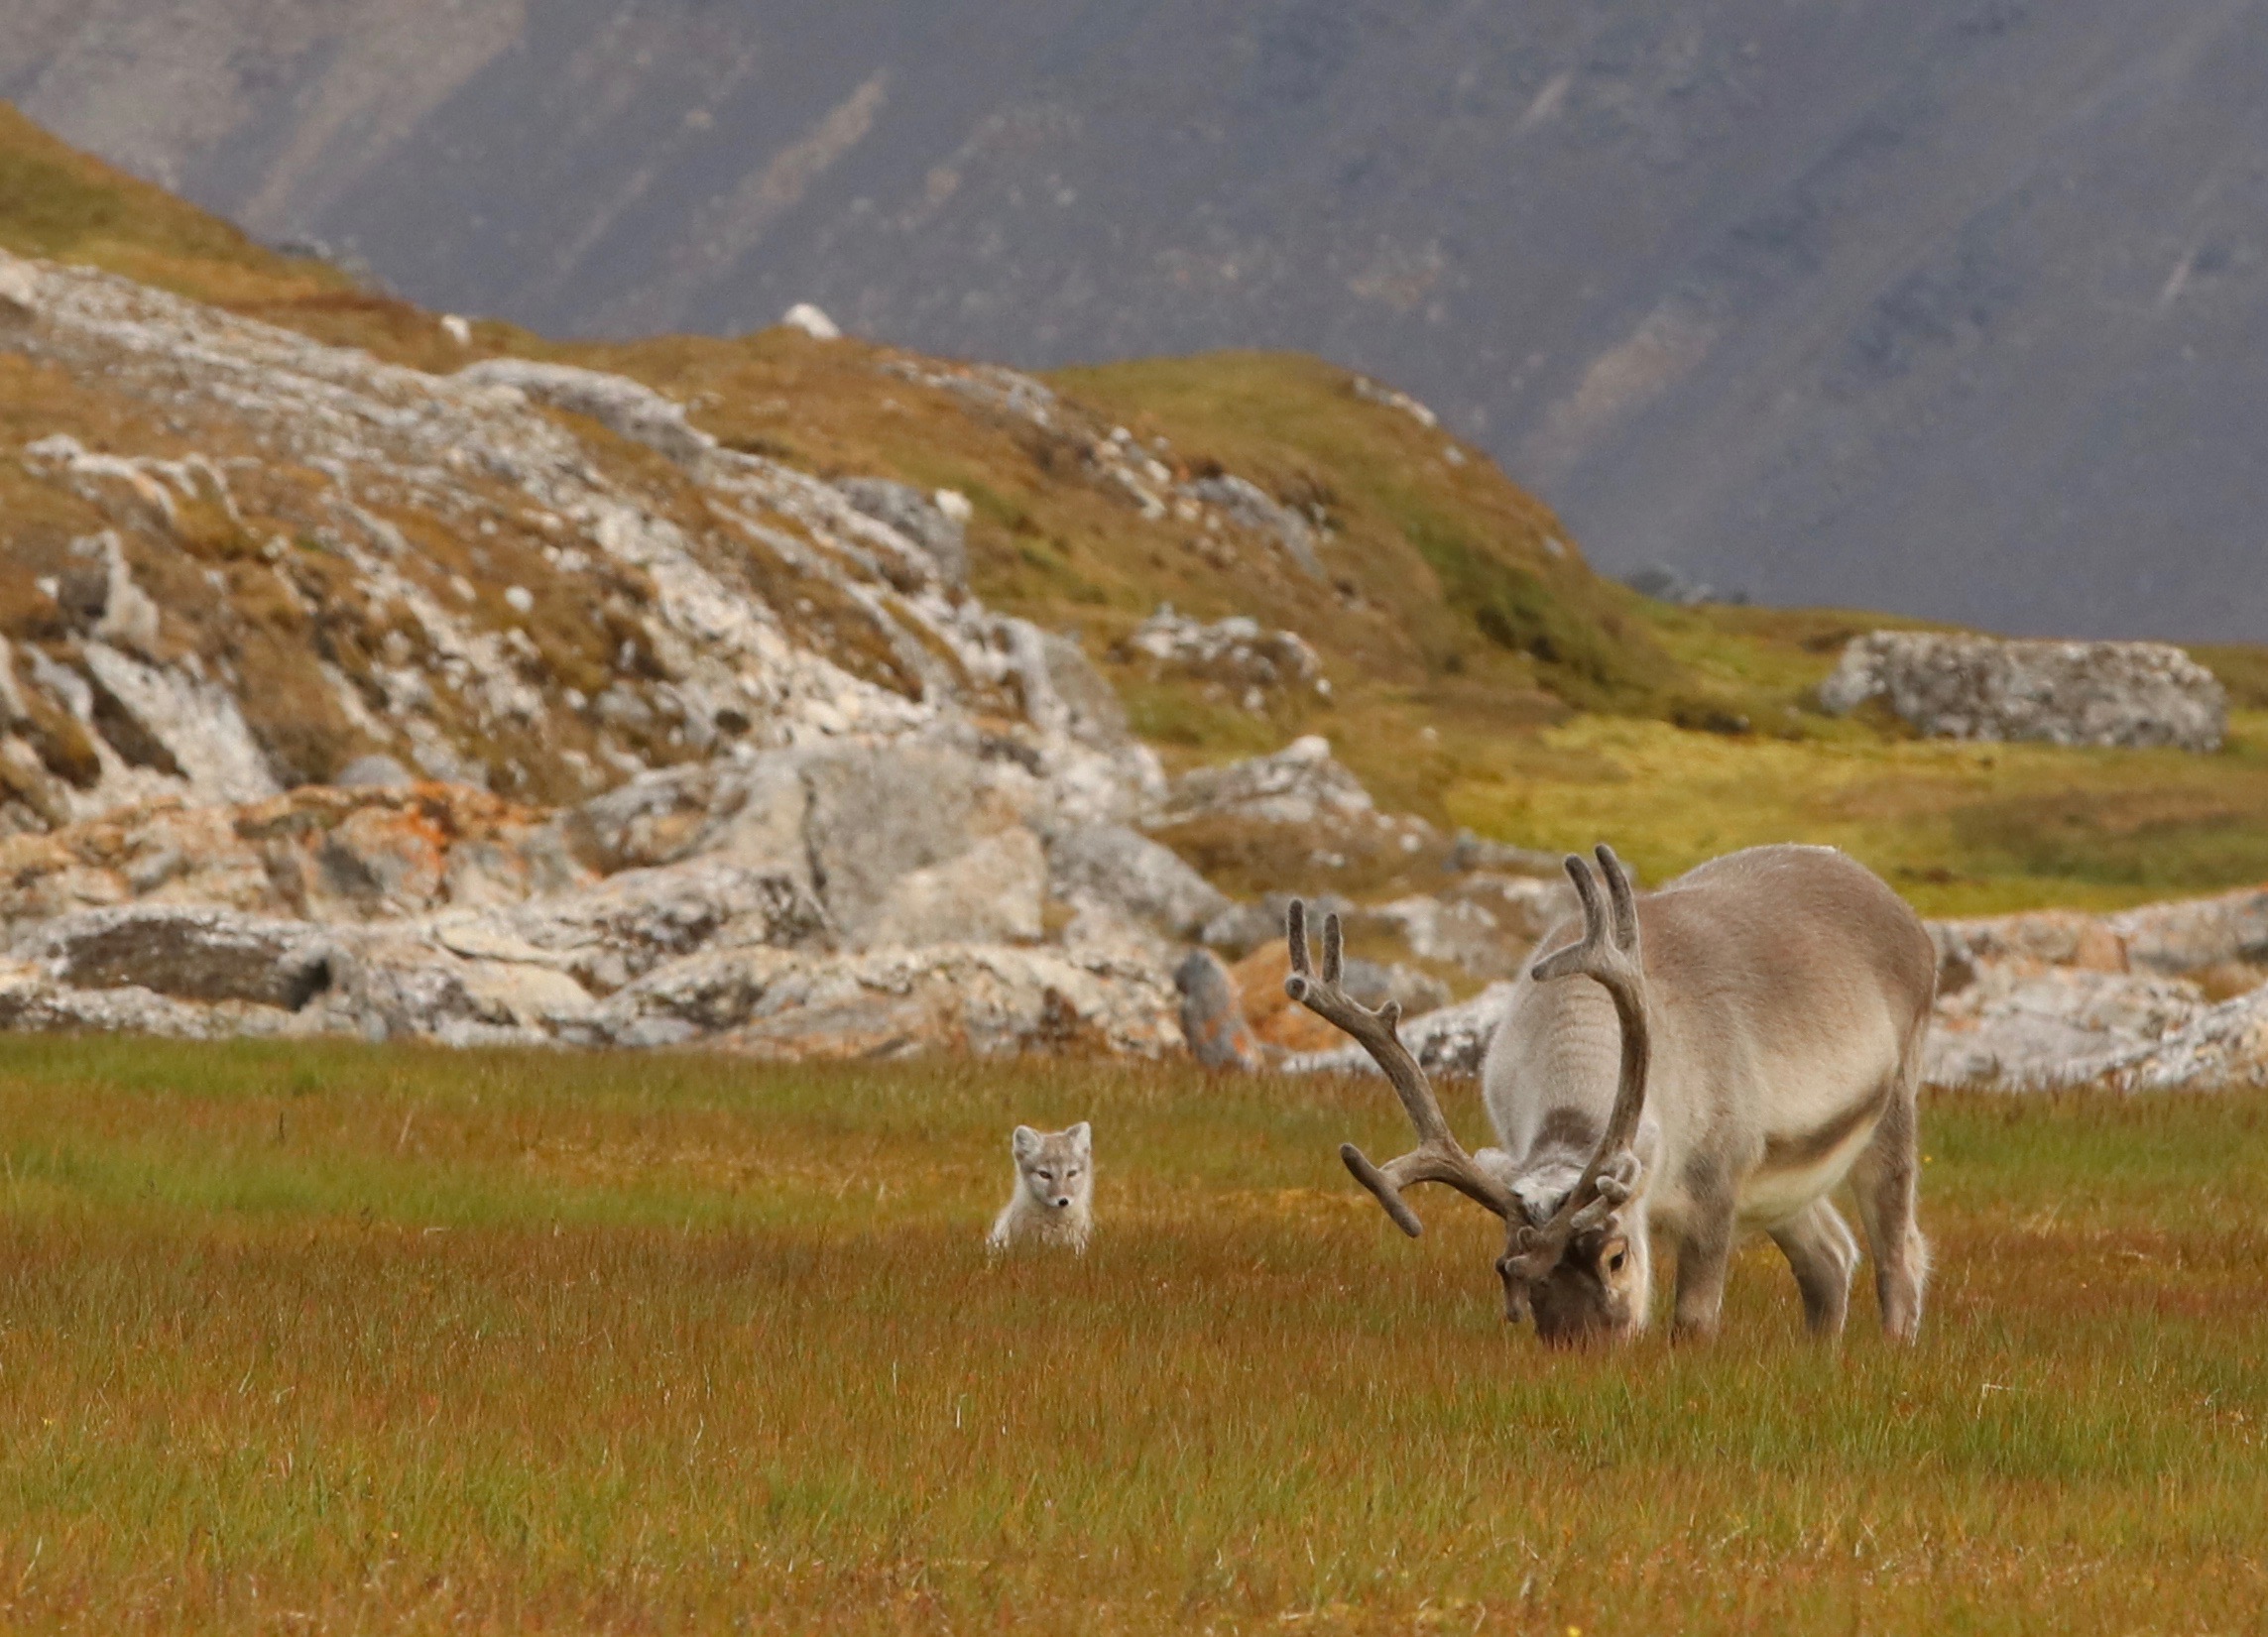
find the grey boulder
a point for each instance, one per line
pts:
(916, 517)
(186, 951)
(1123, 870)
(2123, 694)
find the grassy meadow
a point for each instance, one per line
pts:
(308, 1339)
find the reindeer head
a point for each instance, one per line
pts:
(1598, 1287)
(1569, 1261)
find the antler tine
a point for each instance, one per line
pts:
(1438, 1157)
(1619, 893)
(1609, 954)
(1577, 957)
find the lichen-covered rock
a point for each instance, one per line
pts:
(1485, 923)
(1255, 508)
(439, 914)
(1117, 867)
(2226, 1046)
(2190, 934)
(1275, 1018)
(611, 933)
(189, 954)
(1287, 1026)
(2059, 1026)
(986, 1001)
(1211, 1015)
(2128, 695)
(1302, 783)
(752, 811)
(2183, 936)
(992, 892)
(1468, 851)
(1238, 651)
(622, 405)
(437, 844)
(1243, 927)
(918, 518)
(2051, 997)
(33, 1002)
(879, 814)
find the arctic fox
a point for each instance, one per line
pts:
(1053, 1202)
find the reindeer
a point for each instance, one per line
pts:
(1759, 1050)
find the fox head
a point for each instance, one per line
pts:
(1056, 1168)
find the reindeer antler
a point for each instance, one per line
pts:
(1437, 1156)
(1609, 954)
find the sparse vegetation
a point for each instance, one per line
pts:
(339, 1338)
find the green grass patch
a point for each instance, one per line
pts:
(1959, 828)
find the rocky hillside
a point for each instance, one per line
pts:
(365, 669)
(1943, 306)
(439, 686)
(1288, 493)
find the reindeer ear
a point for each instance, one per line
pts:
(1025, 1142)
(1081, 1137)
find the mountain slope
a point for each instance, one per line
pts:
(1943, 307)
(332, 525)
(593, 581)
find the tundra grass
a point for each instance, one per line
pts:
(335, 1338)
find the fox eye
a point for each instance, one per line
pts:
(1046, 1176)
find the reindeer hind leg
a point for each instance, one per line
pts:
(1884, 1181)
(1818, 1244)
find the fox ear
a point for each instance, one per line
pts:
(1081, 1137)
(1025, 1142)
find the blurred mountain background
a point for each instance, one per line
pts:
(1952, 308)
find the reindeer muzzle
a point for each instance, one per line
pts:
(1518, 1308)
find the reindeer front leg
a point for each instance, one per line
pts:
(1704, 1253)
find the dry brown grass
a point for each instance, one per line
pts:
(311, 1338)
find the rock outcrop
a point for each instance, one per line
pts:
(936, 523)
(2126, 694)
(1213, 1014)
(1302, 783)
(1237, 654)
(1126, 872)
(2167, 994)
(273, 559)
(511, 706)
(843, 900)
(437, 706)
